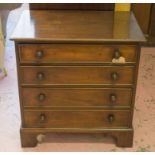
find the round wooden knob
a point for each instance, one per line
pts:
(42, 118)
(40, 76)
(116, 54)
(41, 97)
(114, 76)
(111, 118)
(39, 54)
(113, 97)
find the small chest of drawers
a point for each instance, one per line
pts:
(71, 77)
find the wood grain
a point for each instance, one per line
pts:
(76, 97)
(76, 119)
(77, 26)
(152, 23)
(142, 10)
(73, 53)
(72, 6)
(77, 75)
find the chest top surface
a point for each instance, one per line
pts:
(77, 26)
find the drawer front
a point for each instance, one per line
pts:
(73, 53)
(76, 97)
(76, 119)
(77, 75)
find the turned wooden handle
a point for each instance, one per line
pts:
(117, 54)
(42, 118)
(114, 76)
(40, 76)
(111, 118)
(113, 97)
(39, 54)
(41, 97)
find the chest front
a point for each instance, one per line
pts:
(76, 82)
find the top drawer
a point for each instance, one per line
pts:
(74, 53)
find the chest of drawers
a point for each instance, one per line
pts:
(71, 75)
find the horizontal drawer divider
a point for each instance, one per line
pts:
(109, 66)
(89, 88)
(77, 107)
(77, 64)
(46, 130)
(72, 110)
(78, 85)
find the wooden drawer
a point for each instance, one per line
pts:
(77, 75)
(73, 53)
(76, 97)
(77, 119)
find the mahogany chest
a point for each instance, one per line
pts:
(77, 73)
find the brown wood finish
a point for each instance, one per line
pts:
(73, 53)
(77, 97)
(76, 119)
(123, 138)
(78, 27)
(152, 23)
(78, 48)
(145, 14)
(142, 12)
(77, 75)
(72, 6)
